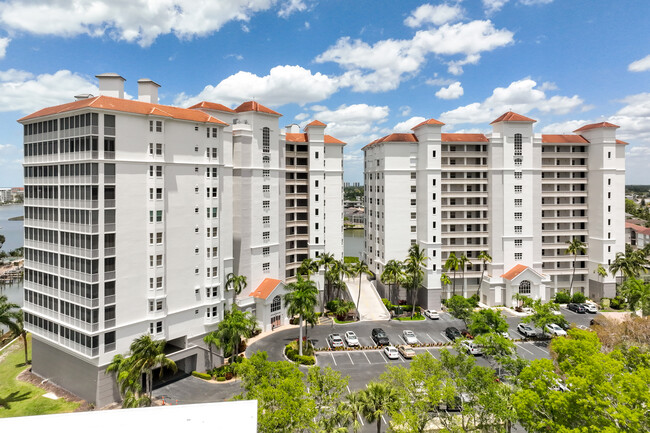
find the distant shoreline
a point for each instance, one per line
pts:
(17, 218)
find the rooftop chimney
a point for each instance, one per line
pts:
(292, 129)
(111, 84)
(148, 90)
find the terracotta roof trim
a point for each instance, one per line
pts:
(265, 288)
(255, 106)
(315, 123)
(597, 125)
(511, 116)
(428, 122)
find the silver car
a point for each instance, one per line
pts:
(335, 341)
(409, 337)
(471, 347)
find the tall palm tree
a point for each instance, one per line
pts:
(392, 275)
(444, 279)
(211, 339)
(377, 400)
(345, 270)
(352, 409)
(235, 325)
(413, 268)
(462, 264)
(452, 263)
(326, 261)
(575, 247)
(485, 258)
(21, 331)
(129, 382)
(360, 269)
(237, 283)
(148, 354)
(7, 314)
(301, 301)
(308, 267)
(601, 271)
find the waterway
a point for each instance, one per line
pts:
(353, 243)
(13, 232)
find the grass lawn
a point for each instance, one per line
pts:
(19, 398)
(342, 322)
(417, 317)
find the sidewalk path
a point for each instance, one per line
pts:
(370, 305)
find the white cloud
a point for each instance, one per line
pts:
(301, 116)
(356, 124)
(404, 110)
(454, 91)
(140, 21)
(383, 65)
(520, 96)
(640, 65)
(439, 14)
(492, 6)
(548, 85)
(406, 125)
(283, 85)
(440, 81)
(6, 147)
(565, 127)
(4, 43)
(25, 92)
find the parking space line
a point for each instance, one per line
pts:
(384, 420)
(429, 350)
(367, 359)
(445, 337)
(350, 358)
(523, 348)
(384, 357)
(332, 355)
(431, 338)
(403, 339)
(540, 349)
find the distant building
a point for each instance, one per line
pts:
(637, 235)
(5, 195)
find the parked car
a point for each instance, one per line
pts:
(590, 308)
(465, 333)
(506, 335)
(554, 330)
(452, 333)
(559, 385)
(335, 340)
(391, 352)
(432, 314)
(379, 337)
(351, 339)
(577, 308)
(528, 311)
(409, 337)
(406, 351)
(471, 347)
(526, 330)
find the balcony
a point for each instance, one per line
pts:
(79, 252)
(79, 204)
(81, 276)
(88, 303)
(79, 228)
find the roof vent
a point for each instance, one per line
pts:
(148, 91)
(83, 96)
(111, 84)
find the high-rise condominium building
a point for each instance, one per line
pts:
(513, 194)
(136, 213)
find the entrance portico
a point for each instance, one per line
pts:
(521, 279)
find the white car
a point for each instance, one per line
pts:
(471, 347)
(554, 330)
(526, 330)
(528, 311)
(556, 312)
(409, 337)
(432, 314)
(391, 352)
(351, 339)
(591, 308)
(506, 335)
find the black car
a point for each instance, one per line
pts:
(452, 333)
(576, 308)
(379, 337)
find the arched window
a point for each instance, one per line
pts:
(266, 140)
(524, 287)
(518, 161)
(518, 144)
(266, 159)
(276, 305)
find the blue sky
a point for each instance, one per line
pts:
(367, 68)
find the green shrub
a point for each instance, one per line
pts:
(305, 360)
(221, 379)
(204, 376)
(562, 298)
(618, 303)
(605, 302)
(473, 300)
(578, 298)
(292, 353)
(389, 306)
(348, 259)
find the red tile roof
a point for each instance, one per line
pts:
(255, 106)
(265, 288)
(301, 137)
(621, 142)
(128, 106)
(638, 228)
(563, 138)
(212, 106)
(512, 273)
(473, 138)
(428, 122)
(316, 123)
(597, 125)
(512, 117)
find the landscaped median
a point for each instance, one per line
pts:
(291, 352)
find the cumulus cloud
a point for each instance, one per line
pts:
(354, 123)
(301, 116)
(429, 14)
(25, 92)
(4, 43)
(140, 21)
(454, 91)
(440, 81)
(283, 85)
(4, 147)
(640, 65)
(404, 110)
(406, 125)
(565, 127)
(383, 65)
(520, 96)
(492, 6)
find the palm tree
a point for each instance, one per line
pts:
(300, 301)
(326, 260)
(308, 267)
(360, 269)
(377, 400)
(576, 246)
(462, 264)
(129, 381)
(211, 339)
(393, 274)
(21, 331)
(601, 271)
(8, 315)
(486, 258)
(147, 354)
(444, 279)
(452, 263)
(235, 325)
(352, 410)
(346, 270)
(237, 283)
(414, 263)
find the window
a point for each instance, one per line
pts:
(413, 188)
(518, 188)
(266, 188)
(524, 287)
(159, 260)
(518, 216)
(434, 153)
(266, 140)
(518, 229)
(609, 181)
(517, 174)
(266, 219)
(159, 149)
(413, 202)
(276, 305)
(518, 144)
(266, 267)
(159, 171)
(518, 242)
(214, 132)
(150, 148)
(518, 161)
(266, 236)
(267, 173)
(609, 155)
(413, 215)
(316, 155)
(266, 204)
(609, 195)
(159, 126)
(414, 229)
(159, 238)
(266, 251)
(159, 193)
(519, 256)
(413, 175)
(518, 202)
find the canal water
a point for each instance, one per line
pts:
(13, 233)
(353, 244)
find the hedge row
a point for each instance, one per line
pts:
(292, 354)
(204, 376)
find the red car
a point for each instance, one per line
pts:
(465, 333)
